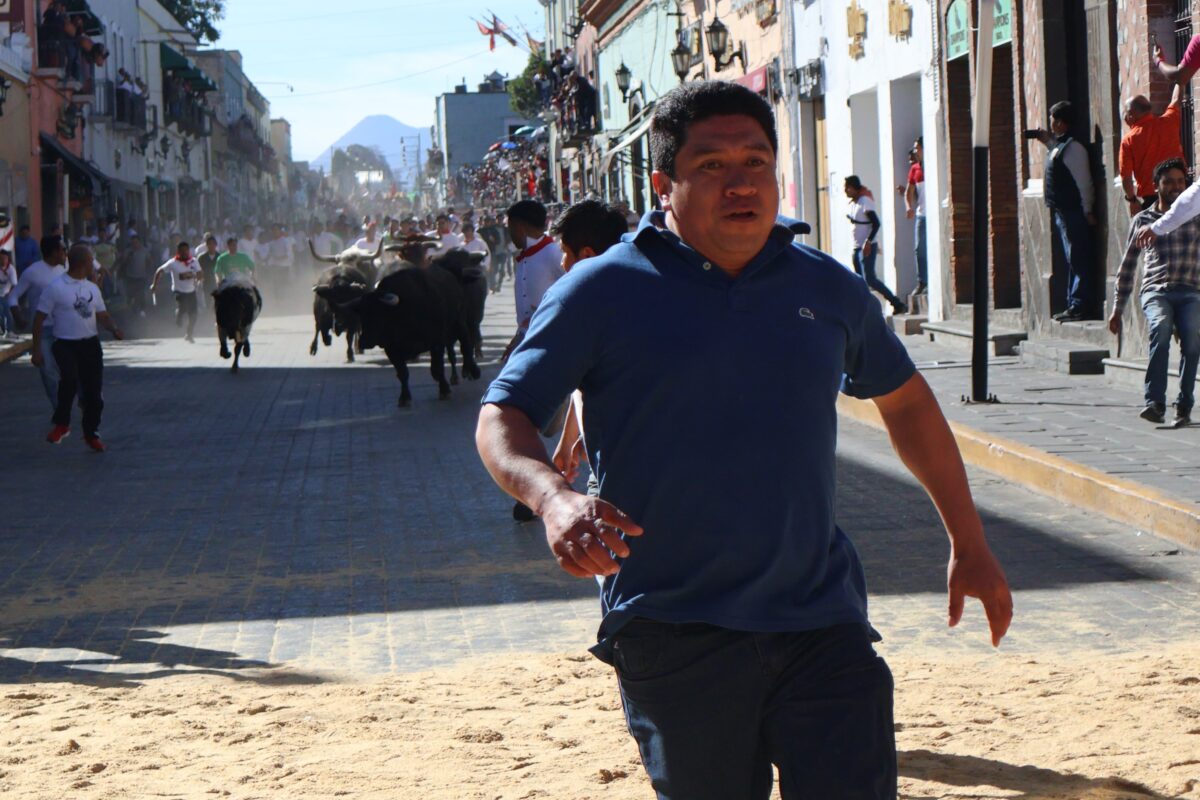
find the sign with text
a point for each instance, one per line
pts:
(1002, 33)
(958, 30)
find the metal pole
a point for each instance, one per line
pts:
(982, 121)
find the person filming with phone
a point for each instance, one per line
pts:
(1069, 195)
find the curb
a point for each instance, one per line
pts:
(1079, 485)
(13, 352)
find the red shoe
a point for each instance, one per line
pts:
(95, 443)
(58, 433)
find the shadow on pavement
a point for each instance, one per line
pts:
(1017, 781)
(302, 493)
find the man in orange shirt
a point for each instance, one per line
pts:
(1151, 140)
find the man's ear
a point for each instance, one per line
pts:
(662, 184)
(586, 252)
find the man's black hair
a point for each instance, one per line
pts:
(1166, 166)
(590, 223)
(22, 229)
(531, 212)
(182, 245)
(1063, 112)
(50, 244)
(853, 182)
(695, 102)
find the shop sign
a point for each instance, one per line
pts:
(958, 30)
(1002, 33)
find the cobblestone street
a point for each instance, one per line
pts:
(291, 515)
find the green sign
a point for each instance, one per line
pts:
(1002, 33)
(958, 30)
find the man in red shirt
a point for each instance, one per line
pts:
(1151, 139)
(914, 203)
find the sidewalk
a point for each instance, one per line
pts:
(1076, 438)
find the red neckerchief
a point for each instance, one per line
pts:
(529, 251)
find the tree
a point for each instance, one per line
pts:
(522, 91)
(200, 17)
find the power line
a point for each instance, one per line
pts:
(383, 82)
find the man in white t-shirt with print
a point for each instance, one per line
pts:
(33, 281)
(864, 222)
(185, 277)
(77, 308)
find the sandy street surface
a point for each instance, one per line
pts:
(1098, 727)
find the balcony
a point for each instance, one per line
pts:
(186, 110)
(64, 60)
(129, 110)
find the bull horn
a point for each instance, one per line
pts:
(319, 257)
(379, 250)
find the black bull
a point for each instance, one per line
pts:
(236, 305)
(416, 310)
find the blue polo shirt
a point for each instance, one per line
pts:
(710, 418)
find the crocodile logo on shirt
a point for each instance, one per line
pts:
(806, 314)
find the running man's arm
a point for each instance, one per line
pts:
(35, 354)
(158, 272)
(1125, 279)
(1185, 208)
(580, 530)
(105, 320)
(924, 442)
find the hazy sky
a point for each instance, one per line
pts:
(413, 49)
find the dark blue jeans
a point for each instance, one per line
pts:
(865, 266)
(1168, 310)
(712, 709)
(1076, 237)
(919, 249)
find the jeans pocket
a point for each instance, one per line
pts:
(638, 648)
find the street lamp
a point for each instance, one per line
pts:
(681, 60)
(718, 43)
(624, 77)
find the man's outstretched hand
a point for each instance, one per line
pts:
(978, 574)
(581, 531)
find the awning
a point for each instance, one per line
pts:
(74, 162)
(756, 81)
(174, 61)
(627, 139)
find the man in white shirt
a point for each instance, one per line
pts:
(444, 231)
(77, 307)
(185, 276)
(33, 281)
(539, 262)
(864, 221)
(473, 244)
(367, 243)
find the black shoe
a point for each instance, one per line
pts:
(1154, 412)
(523, 513)
(921, 288)
(1182, 419)
(1070, 315)
(899, 308)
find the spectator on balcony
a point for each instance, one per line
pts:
(585, 102)
(1151, 139)
(544, 86)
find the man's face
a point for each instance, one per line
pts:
(1170, 186)
(443, 227)
(469, 234)
(233, 246)
(851, 191)
(723, 199)
(1059, 127)
(211, 245)
(919, 150)
(184, 253)
(516, 232)
(58, 255)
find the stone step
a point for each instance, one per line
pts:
(907, 324)
(959, 334)
(1130, 373)
(1060, 355)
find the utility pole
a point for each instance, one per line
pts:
(983, 121)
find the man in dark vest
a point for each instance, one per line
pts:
(1069, 195)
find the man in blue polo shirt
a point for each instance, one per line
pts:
(711, 351)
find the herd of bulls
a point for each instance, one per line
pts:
(406, 306)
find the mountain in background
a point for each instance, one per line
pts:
(390, 137)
